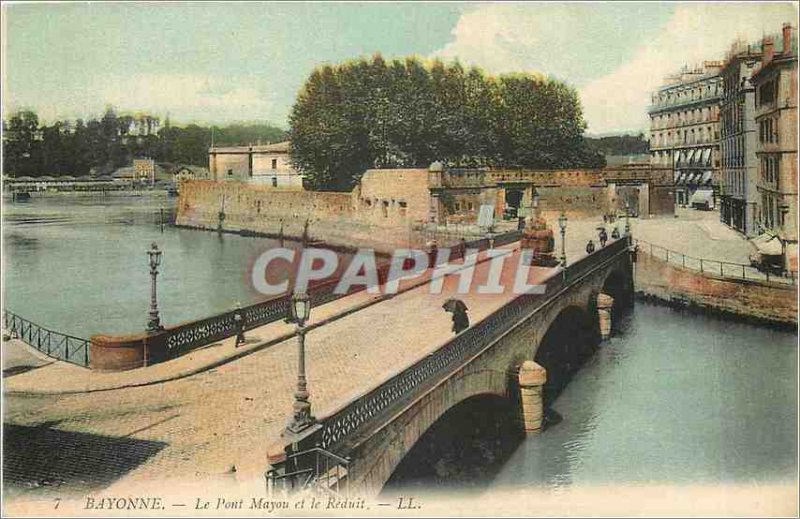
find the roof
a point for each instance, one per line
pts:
(197, 170)
(278, 147)
(125, 172)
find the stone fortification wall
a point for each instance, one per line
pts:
(381, 212)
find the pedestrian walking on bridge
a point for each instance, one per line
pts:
(459, 311)
(603, 237)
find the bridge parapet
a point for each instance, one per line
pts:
(349, 425)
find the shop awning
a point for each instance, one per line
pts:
(707, 157)
(768, 245)
(706, 177)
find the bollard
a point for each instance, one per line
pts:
(531, 380)
(604, 304)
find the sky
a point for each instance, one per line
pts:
(227, 62)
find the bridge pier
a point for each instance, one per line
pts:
(604, 304)
(531, 381)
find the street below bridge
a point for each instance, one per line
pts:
(214, 428)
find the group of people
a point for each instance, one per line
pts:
(603, 237)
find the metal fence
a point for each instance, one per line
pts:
(314, 469)
(416, 379)
(725, 269)
(188, 336)
(53, 344)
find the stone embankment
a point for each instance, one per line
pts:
(771, 302)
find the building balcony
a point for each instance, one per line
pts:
(681, 145)
(686, 124)
(684, 103)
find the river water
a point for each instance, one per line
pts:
(671, 397)
(78, 265)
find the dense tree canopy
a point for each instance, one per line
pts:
(102, 145)
(405, 113)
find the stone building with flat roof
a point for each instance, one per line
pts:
(684, 129)
(264, 164)
(775, 85)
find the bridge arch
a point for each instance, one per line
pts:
(619, 286)
(400, 438)
(471, 438)
(570, 339)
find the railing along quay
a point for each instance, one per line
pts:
(415, 380)
(725, 269)
(53, 344)
(188, 336)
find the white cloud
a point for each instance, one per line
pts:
(491, 36)
(618, 101)
(615, 54)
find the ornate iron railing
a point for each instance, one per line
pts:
(415, 379)
(194, 334)
(53, 344)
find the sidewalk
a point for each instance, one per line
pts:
(61, 378)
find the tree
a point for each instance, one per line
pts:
(105, 144)
(21, 144)
(365, 114)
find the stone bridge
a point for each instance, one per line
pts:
(521, 354)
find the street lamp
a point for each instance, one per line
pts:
(562, 224)
(300, 310)
(154, 257)
(627, 218)
(535, 214)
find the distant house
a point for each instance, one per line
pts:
(143, 171)
(188, 172)
(267, 164)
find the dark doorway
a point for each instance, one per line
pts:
(629, 194)
(513, 202)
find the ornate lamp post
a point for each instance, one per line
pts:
(300, 310)
(562, 224)
(154, 257)
(627, 218)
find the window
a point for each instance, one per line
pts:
(230, 172)
(274, 163)
(766, 93)
(274, 181)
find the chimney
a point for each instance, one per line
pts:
(787, 39)
(767, 49)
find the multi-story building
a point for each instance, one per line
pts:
(144, 170)
(775, 84)
(684, 129)
(739, 197)
(262, 164)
